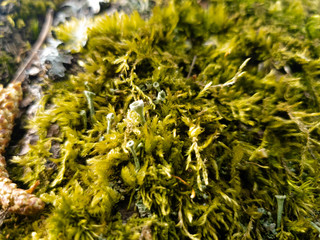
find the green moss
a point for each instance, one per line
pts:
(213, 154)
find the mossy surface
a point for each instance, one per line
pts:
(230, 119)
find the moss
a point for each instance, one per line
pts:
(213, 154)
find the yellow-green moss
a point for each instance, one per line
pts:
(213, 154)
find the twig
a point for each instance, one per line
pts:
(20, 73)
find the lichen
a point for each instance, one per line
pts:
(239, 125)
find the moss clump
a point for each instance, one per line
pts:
(236, 123)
